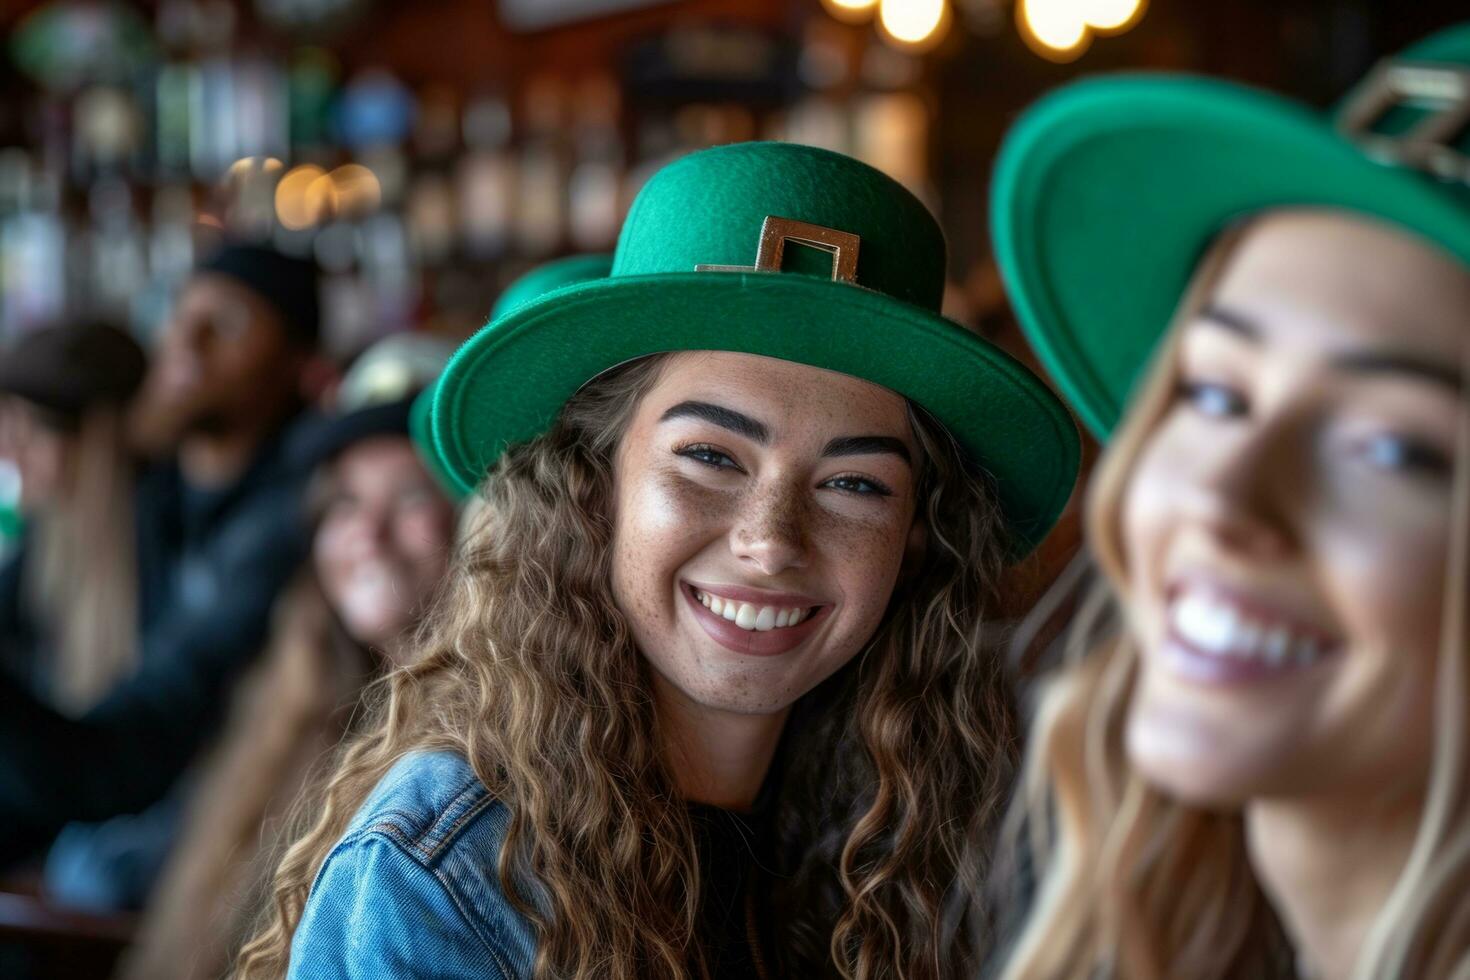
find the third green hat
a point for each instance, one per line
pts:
(539, 281)
(1108, 192)
(785, 251)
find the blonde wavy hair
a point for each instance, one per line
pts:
(891, 772)
(1134, 884)
(82, 572)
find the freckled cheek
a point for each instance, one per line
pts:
(662, 523)
(864, 559)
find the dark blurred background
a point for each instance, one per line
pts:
(427, 152)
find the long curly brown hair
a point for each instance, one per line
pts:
(891, 772)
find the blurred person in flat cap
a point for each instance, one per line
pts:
(220, 529)
(68, 596)
(382, 535)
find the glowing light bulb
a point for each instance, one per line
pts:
(1057, 29)
(303, 197)
(850, 10)
(1112, 15)
(357, 188)
(915, 23)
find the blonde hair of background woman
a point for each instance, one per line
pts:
(82, 569)
(1135, 885)
(892, 768)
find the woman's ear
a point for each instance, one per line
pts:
(915, 549)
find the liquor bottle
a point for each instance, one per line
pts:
(485, 180)
(594, 201)
(540, 205)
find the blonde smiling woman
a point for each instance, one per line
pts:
(706, 694)
(1260, 769)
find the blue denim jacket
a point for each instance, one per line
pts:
(411, 889)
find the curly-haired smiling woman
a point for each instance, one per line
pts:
(706, 695)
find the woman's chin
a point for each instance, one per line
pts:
(370, 628)
(1193, 768)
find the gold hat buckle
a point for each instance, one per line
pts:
(776, 232)
(1444, 90)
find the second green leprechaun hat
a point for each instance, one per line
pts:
(780, 250)
(542, 279)
(551, 275)
(1108, 192)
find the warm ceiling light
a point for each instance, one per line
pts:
(850, 10)
(1112, 15)
(303, 197)
(1057, 29)
(357, 188)
(914, 23)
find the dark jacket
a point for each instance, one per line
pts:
(210, 566)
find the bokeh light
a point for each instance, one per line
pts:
(358, 190)
(850, 10)
(1112, 15)
(914, 23)
(304, 196)
(1056, 29)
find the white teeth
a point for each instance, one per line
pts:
(1216, 626)
(749, 617)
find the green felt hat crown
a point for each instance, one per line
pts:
(1108, 192)
(784, 251)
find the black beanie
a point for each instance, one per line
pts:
(289, 285)
(68, 369)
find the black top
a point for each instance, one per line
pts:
(734, 851)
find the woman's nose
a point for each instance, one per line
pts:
(1240, 494)
(770, 535)
(368, 534)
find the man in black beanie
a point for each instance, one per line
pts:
(221, 527)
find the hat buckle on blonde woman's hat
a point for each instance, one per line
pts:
(848, 276)
(1108, 192)
(1429, 145)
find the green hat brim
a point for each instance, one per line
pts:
(1107, 194)
(420, 429)
(507, 383)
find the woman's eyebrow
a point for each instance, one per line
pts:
(725, 418)
(1379, 362)
(867, 445)
(1367, 362)
(1232, 320)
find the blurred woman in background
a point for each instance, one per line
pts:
(1258, 766)
(68, 598)
(381, 545)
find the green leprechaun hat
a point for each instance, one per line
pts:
(780, 250)
(1108, 192)
(540, 280)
